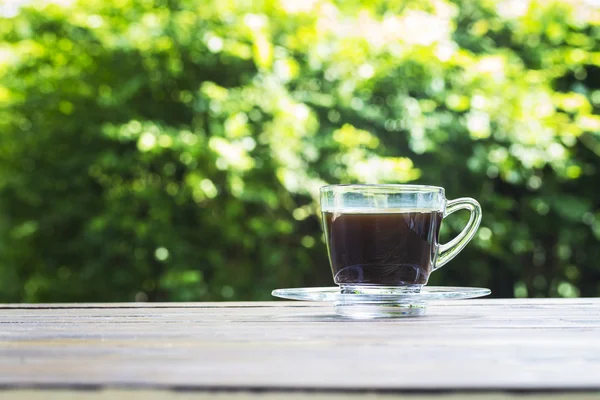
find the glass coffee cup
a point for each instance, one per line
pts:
(385, 238)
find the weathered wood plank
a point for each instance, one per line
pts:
(175, 395)
(276, 303)
(477, 344)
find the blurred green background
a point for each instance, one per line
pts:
(173, 149)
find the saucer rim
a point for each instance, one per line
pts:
(427, 294)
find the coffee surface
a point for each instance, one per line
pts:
(387, 249)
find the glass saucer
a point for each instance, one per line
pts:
(380, 302)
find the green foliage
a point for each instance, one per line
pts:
(173, 150)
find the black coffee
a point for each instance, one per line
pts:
(387, 249)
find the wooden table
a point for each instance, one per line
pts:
(474, 349)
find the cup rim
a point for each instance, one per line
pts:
(395, 186)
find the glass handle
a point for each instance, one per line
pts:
(449, 250)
